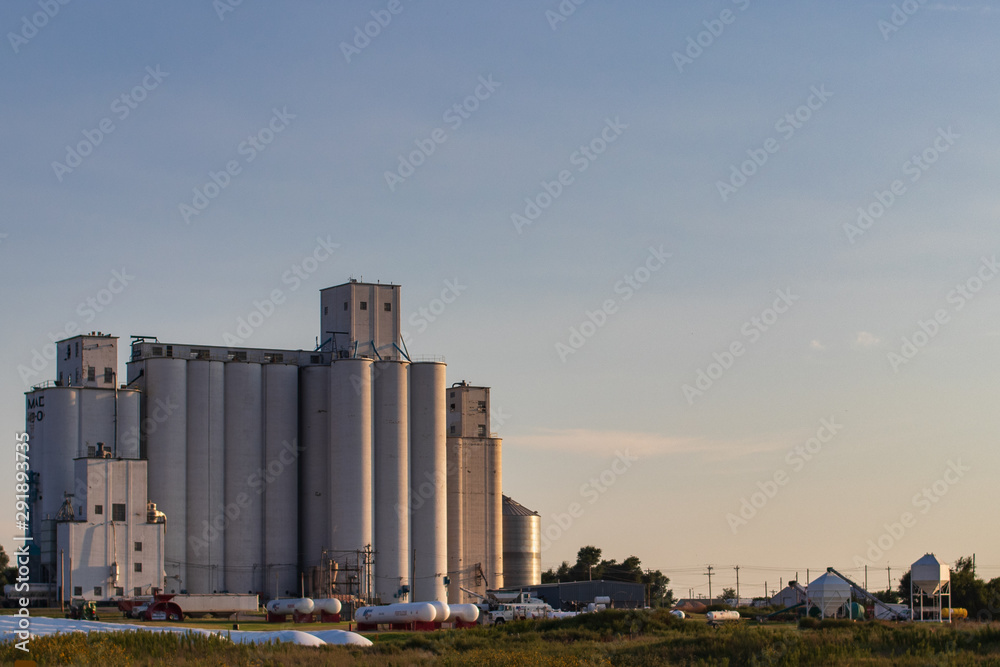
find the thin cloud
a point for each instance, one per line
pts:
(866, 339)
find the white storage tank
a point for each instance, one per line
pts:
(829, 593)
(286, 606)
(164, 426)
(350, 458)
(428, 480)
(404, 612)
(392, 474)
(328, 605)
(467, 613)
(929, 575)
(206, 431)
(244, 537)
(314, 480)
(522, 545)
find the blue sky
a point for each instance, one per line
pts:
(833, 101)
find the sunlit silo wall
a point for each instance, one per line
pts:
(522, 546)
(428, 480)
(205, 475)
(164, 426)
(391, 479)
(314, 467)
(494, 500)
(280, 478)
(350, 458)
(244, 459)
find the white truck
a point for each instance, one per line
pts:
(515, 606)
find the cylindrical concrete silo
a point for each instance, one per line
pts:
(244, 487)
(494, 505)
(314, 467)
(128, 423)
(391, 473)
(428, 481)
(54, 442)
(165, 428)
(281, 516)
(350, 463)
(206, 438)
(522, 545)
(456, 499)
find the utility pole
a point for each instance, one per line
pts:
(737, 585)
(709, 573)
(866, 577)
(888, 572)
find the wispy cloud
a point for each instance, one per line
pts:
(866, 339)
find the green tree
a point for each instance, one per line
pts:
(7, 574)
(728, 593)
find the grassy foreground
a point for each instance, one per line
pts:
(608, 638)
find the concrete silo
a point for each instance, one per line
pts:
(244, 459)
(164, 426)
(350, 463)
(522, 545)
(391, 479)
(206, 440)
(314, 472)
(428, 481)
(280, 478)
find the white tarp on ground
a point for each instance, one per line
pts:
(50, 626)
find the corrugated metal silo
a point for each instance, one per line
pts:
(522, 545)
(206, 440)
(244, 538)
(391, 502)
(428, 480)
(281, 516)
(314, 467)
(350, 459)
(164, 427)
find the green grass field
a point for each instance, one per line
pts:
(609, 638)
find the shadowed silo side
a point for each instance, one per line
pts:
(428, 481)
(314, 468)
(392, 475)
(350, 458)
(522, 545)
(206, 431)
(244, 538)
(280, 483)
(165, 428)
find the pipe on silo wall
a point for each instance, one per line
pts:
(494, 504)
(350, 460)
(244, 455)
(206, 449)
(164, 427)
(391, 478)
(428, 481)
(314, 467)
(455, 518)
(281, 452)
